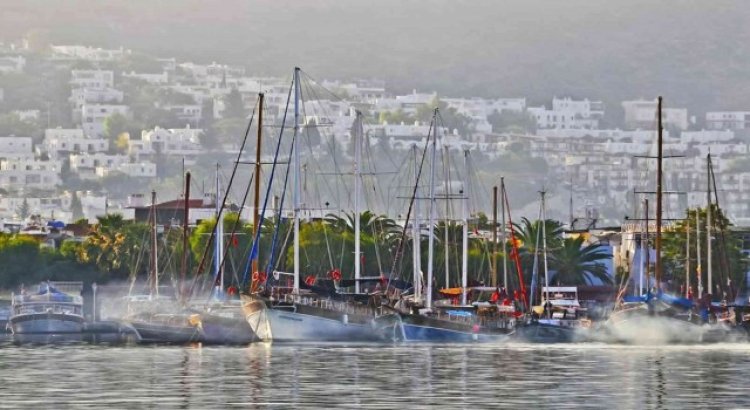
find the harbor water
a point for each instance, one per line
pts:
(376, 376)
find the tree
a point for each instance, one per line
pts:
(76, 208)
(576, 264)
(512, 121)
(728, 261)
(24, 210)
(233, 105)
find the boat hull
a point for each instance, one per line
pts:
(417, 328)
(302, 323)
(218, 329)
(546, 333)
(156, 332)
(46, 323)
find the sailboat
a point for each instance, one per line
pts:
(220, 318)
(656, 316)
(308, 312)
(159, 318)
(431, 322)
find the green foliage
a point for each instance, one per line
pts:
(576, 264)
(233, 105)
(512, 121)
(12, 125)
(24, 210)
(76, 207)
(395, 117)
(728, 261)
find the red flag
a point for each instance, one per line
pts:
(235, 241)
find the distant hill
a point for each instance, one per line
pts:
(694, 52)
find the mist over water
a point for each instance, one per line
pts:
(378, 376)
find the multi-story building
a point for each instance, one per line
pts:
(94, 115)
(642, 114)
(89, 53)
(29, 173)
(81, 96)
(92, 79)
(12, 64)
(16, 148)
(151, 78)
(85, 165)
(728, 120)
(59, 142)
(567, 113)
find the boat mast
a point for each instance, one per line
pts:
(431, 218)
(544, 245)
(687, 257)
(465, 232)
(219, 245)
(699, 268)
(644, 248)
(357, 188)
(657, 273)
(709, 268)
(648, 249)
(256, 205)
(494, 237)
(185, 237)
(417, 239)
(446, 226)
(154, 256)
(502, 235)
(296, 194)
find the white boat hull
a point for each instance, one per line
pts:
(46, 324)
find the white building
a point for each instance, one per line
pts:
(29, 173)
(191, 113)
(94, 115)
(151, 78)
(92, 78)
(728, 120)
(86, 165)
(89, 53)
(143, 169)
(81, 96)
(16, 148)
(12, 64)
(642, 114)
(59, 142)
(567, 113)
(27, 115)
(173, 141)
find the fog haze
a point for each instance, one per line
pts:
(695, 53)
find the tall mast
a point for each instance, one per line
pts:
(357, 188)
(709, 217)
(417, 239)
(219, 251)
(154, 243)
(256, 205)
(644, 248)
(502, 235)
(465, 232)
(687, 257)
(544, 245)
(648, 249)
(446, 226)
(185, 237)
(431, 238)
(493, 267)
(699, 268)
(660, 155)
(297, 176)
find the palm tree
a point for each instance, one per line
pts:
(575, 264)
(526, 233)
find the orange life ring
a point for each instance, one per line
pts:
(336, 275)
(310, 280)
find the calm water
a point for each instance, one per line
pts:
(375, 376)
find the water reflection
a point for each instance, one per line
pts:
(376, 376)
